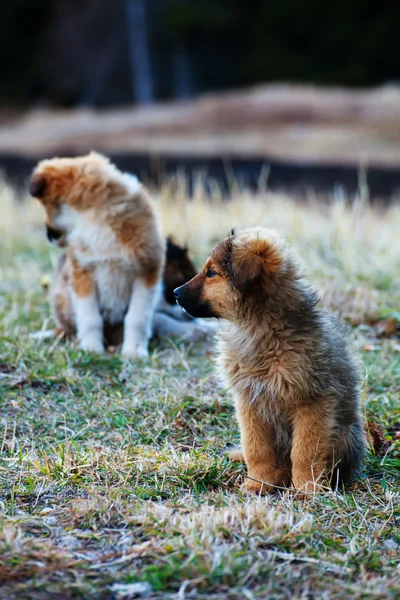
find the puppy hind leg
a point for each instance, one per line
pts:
(61, 300)
(138, 319)
(312, 435)
(166, 326)
(236, 455)
(348, 453)
(173, 310)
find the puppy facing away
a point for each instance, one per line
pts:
(169, 320)
(286, 362)
(112, 270)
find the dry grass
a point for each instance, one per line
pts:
(113, 476)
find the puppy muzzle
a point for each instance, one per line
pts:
(191, 304)
(53, 235)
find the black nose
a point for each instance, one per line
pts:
(177, 292)
(53, 234)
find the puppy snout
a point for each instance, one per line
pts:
(53, 234)
(177, 292)
(181, 294)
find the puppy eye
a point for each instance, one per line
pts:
(211, 273)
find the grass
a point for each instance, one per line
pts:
(114, 480)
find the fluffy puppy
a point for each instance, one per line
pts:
(111, 272)
(286, 361)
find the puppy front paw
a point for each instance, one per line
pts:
(308, 481)
(256, 487)
(305, 489)
(92, 344)
(267, 481)
(135, 351)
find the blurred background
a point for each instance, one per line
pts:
(309, 89)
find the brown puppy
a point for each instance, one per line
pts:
(111, 272)
(294, 381)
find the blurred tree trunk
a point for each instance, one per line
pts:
(141, 76)
(182, 75)
(182, 71)
(93, 90)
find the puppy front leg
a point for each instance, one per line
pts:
(138, 319)
(89, 323)
(258, 449)
(312, 428)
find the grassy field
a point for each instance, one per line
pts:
(114, 481)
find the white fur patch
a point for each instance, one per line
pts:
(89, 323)
(84, 230)
(114, 290)
(68, 218)
(138, 320)
(132, 183)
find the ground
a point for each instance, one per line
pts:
(114, 479)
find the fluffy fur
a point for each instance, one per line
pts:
(111, 272)
(286, 361)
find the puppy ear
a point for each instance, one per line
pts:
(37, 186)
(174, 251)
(245, 269)
(250, 262)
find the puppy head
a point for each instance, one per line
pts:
(69, 184)
(178, 269)
(241, 272)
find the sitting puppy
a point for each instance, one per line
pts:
(111, 272)
(168, 320)
(294, 381)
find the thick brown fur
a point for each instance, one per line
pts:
(286, 361)
(111, 272)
